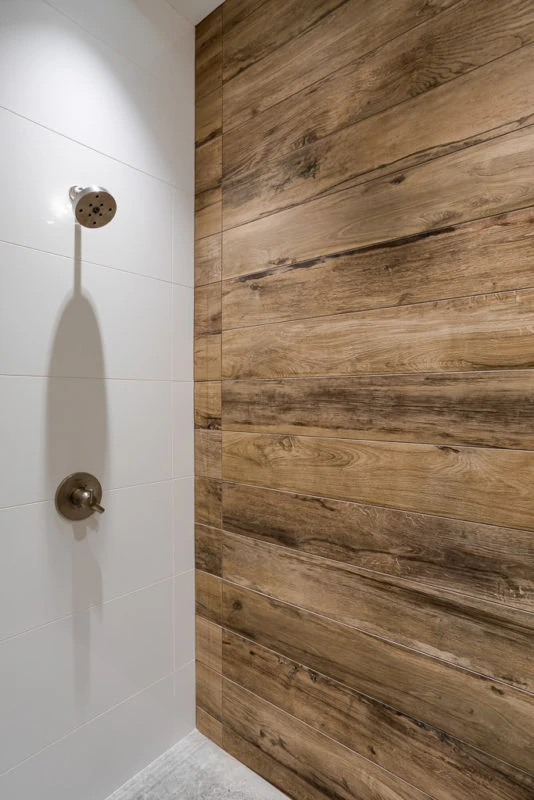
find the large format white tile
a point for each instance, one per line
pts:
(55, 678)
(184, 621)
(159, 39)
(118, 430)
(65, 318)
(183, 305)
(113, 105)
(183, 256)
(99, 757)
(183, 431)
(51, 567)
(184, 524)
(35, 209)
(184, 701)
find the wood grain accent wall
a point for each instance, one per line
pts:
(364, 396)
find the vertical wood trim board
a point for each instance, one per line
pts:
(364, 395)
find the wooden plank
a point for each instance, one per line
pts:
(268, 27)
(207, 357)
(489, 639)
(208, 312)
(425, 757)
(209, 644)
(209, 690)
(483, 30)
(208, 501)
(208, 62)
(208, 117)
(235, 11)
(490, 178)
(488, 255)
(338, 38)
(481, 712)
(487, 409)
(208, 596)
(480, 560)
(208, 453)
(208, 166)
(208, 404)
(484, 332)
(208, 549)
(455, 116)
(208, 219)
(209, 726)
(207, 204)
(208, 259)
(325, 769)
(476, 484)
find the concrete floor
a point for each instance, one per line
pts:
(196, 769)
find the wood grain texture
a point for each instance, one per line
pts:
(389, 141)
(208, 501)
(481, 712)
(209, 644)
(208, 311)
(423, 756)
(208, 590)
(209, 690)
(208, 117)
(208, 549)
(208, 453)
(208, 54)
(477, 484)
(352, 29)
(478, 560)
(209, 726)
(369, 86)
(208, 404)
(324, 768)
(208, 218)
(491, 409)
(486, 179)
(235, 11)
(484, 332)
(208, 259)
(207, 357)
(489, 639)
(363, 404)
(208, 167)
(267, 28)
(481, 257)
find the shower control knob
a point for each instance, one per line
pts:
(79, 496)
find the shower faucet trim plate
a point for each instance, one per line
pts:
(79, 496)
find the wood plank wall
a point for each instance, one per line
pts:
(364, 397)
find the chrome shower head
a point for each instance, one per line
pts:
(93, 206)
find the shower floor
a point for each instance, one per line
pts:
(196, 769)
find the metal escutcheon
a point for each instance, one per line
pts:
(79, 496)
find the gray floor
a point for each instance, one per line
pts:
(196, 769)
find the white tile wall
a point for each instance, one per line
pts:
(51, 567)
(38, 168)
(183, 305)
(114, 106)
(183, 523)
(184, 598)
(105, 752)
(96, 343)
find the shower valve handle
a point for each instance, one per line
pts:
(85, 498)
(79, 496)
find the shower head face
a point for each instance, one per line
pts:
(93, 206)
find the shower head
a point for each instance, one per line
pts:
(93, 206)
